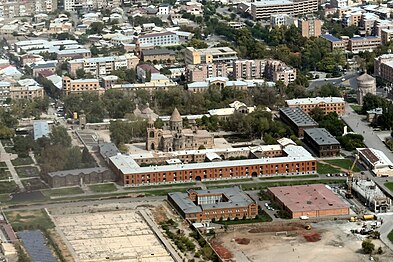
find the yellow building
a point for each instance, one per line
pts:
(194, 56)
(81, 85)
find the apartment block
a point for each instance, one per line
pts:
(16, 8)
(100, 66)
(199, 73)
(265, 8)
(281, 20)
(225, 55)
(362, 44)
(71, 86)
(73, 5)
(327, 104)
(276, 70)
(159, 39)
(367, 22)
(310, 27)
(386, 36)
(383, 67)
(351, 18)
(249, 69)
(335, 43)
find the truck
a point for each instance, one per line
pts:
(369, 217)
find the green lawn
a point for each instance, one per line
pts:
(263, 185)
(34, 184)
(4, 198)
(100, 188)
(3, 164)
(288, 177)
(29, 219)
(344, 163)
(4, 173)
(326, 169)
(161, 186)
(6, 142)
(9, 150)
(62, 191)
(390, 236)
(234, 180)
(163, 192)
(22, 161)
(357, 108)
(389, 185)
(27, 171)
(8, 187)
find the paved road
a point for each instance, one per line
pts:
(335, 81)
(386, 227)
(360, 126)
(11, 168)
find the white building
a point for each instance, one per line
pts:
(164, 9)
(159, 39)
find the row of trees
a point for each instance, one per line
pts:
(385, 121)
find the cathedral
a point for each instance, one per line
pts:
(176, 138)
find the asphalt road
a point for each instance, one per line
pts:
(334, 81)
(360, 126)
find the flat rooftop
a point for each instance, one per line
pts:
(308, 198)
(314, 101)
(331, 38)
(298, 116)
(376, 157)
(321, 136)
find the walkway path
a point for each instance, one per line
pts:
(11, 168)
(385, 229)
(158, 233)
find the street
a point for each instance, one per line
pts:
(351, 76)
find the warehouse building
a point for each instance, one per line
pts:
(297, 119)
(322, 142)
(309, 200)
(213, 204)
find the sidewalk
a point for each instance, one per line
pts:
(11, 168)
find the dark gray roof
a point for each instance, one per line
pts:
(76, 172)
(43, 65)
(321, 136)
(108, 150)
(236, 198)
(162, 51)
(298, 116)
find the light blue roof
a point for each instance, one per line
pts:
(331, 38)
(41, 129)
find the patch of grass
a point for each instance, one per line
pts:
(263, 185)
(27, 171)
(4, 198)
(4, 173)
(288, 177)
(100, 188)
(6, 142)
(343, 163)
(8, 187)
(9, 150)
(234, 180)
(326, 169)
(161, 186)
(164, 192)
(389, 185)
(3, 164)
(357, 109)
(63, 191)
(390, 236)
(22, 161)
(34, 184)
(29, 219)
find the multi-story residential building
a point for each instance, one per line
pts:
(199, 73)
(161, 54)
(380, 24)
(159, 39)
(71, 86)
(386, 36)
(43, 66)
(276, 70)
(249, 69)
(25, 89)
(338, 3)
(207, 164)
(297, 119)
(352, 18)
(367, 22)
(100, 66)
(194, 56)
(383, 67)
(335, 43)
(362, 44)
(15, 8)
(68, 54)
(322, 142)
(73, 5)
(310, 27)
(281, 20)
(327, 104)
(265, 8)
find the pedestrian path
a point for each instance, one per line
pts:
(11, 168)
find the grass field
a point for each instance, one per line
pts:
(62, 191)
(100, 188)
(357, 108)
(22, 161)
(6, 142)
(389, 185)
(29, 219)
(263, 185)
(3, 164)
(161, 186)
(227, 181)
(4, 197)
(8, 187)
(288, 177)
(344, 163)
(390, 236)
(4, 173)
(326, 169)
(163, 192)
(27, 171)
(34, 184)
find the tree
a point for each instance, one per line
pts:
(23, 145)
(368, 246)
(59, 136)
(317, 114)
(80, 73)
(95, 28)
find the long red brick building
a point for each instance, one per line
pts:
(212, 164)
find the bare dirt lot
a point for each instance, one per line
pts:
(326, 241)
